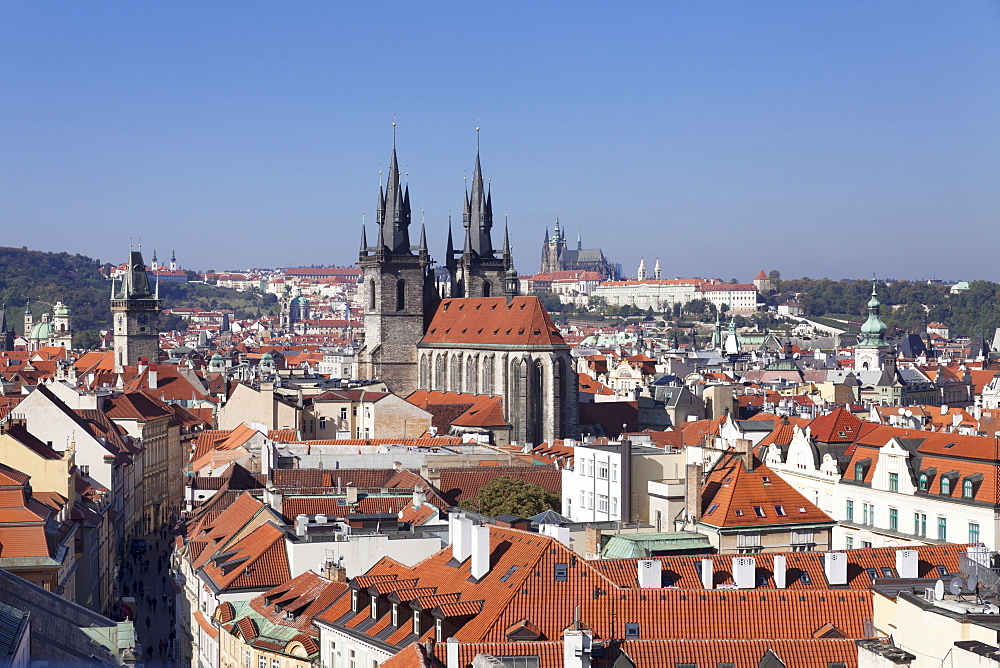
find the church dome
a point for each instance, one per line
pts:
(61, 310)
(41, 330)
(302, 301)
(873, 329)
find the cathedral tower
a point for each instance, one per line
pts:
(136, 312)
(478, 272)
(873, 352)
(398, 291)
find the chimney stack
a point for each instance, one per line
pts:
(151, 377)
(907, 563)
(480, 551)
(745, 572)
(461, 544)
(835, 565)
(649, 573)
(692, 493)
(745, 447)
(780, 572)
(708, 574)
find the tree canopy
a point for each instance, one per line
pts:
(512, 496)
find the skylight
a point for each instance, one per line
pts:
(759, 511)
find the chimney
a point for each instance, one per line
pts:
(461, 544)
(744, 446)
(419, 496)
(835, 566)
(576, 647)
(692, 493)
(480, 551)
(334, 571)
(744, 572)
(626, 505)
(593, 541)
(559, 533)
(151, 377)
(142, 364)
(907, 563)
(649, 573)
(944, 407)
(780, 572)
(301, 525)
(708, 574)
(352, 494)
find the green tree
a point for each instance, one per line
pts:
(512, 496)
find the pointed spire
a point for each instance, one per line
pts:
(579, 240)
(467, 251)
(364, 236)
(506, 238)
(656, 270)
(450, 251)
(422, 248)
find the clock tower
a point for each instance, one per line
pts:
(136, 312)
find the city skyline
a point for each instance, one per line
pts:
(820, 141)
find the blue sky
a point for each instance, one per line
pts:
(820, 139)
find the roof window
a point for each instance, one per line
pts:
(759, 511)
(738, 512)
(712, 508)
(780, 510)
(631, 631)
(561, 572)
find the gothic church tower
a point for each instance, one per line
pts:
(398, 290)
(136, 312)
(477, 271)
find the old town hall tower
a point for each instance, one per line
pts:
(136, 312)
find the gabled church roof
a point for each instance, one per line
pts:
(493, 322)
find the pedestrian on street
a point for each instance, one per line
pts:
(149, 623)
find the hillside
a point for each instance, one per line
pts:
(76, 280)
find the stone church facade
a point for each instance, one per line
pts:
(483, 339)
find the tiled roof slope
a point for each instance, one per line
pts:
(734, 496)
(805, 570)
(525, 583)
(493, 321)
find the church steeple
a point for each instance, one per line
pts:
(394, 212)
(873, 330)
(478, 216)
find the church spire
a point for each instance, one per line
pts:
(364, 238)
(479, 212)
(579, 240)
(394, 210)
(873, 330)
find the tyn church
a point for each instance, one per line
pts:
(482, 339)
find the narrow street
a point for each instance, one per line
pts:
(145, 578)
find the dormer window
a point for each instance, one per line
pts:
(416, 622)
(859, 471)
(923, 482)
(945, 486)
(967, 489)
(354, 600)
(374, 608)
(395, 614)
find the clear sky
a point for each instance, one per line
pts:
(818, 138)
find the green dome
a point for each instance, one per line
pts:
(873, 330)
(266, 357)
(216, 358)
(301, 300)
(61, 309)
(41, 330)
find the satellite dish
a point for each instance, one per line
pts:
(971, 583)
(955, 586)
(909, 413)
(939, 590)
(901, 411)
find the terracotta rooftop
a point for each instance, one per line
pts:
(492, 321)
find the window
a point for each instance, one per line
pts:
(836, 664)
(945, 485)
(973, 532)
(942, 528)
(614, 472)
(583, 499)
(893, 482)
(602, 470)
(887, 572)
(246, 656)
(849, 542)
(590, 500)
(967, 489)
(919, 524)
(322, 423)
(395, 614)
(343, 413)
(923, 482)
(805, 578)
(371, 295)
(631, 631)
(738, 512)
(859, 471)
(275, 663)
(802, 540)
(712, 508)
(614, 505)
(725, 664)
(374, 608)
(759, 511)
(400, 295)
(780, 510)
(850, 510)
(354, 600)
(866, 544)
(261, 662)
(893, 519)
(416, 622)
(602, 503)
(352, 659)
(561, 572)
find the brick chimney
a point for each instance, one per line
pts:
(744, 446)
(593, 541)
(692, 493)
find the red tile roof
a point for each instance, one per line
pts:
(492, 321)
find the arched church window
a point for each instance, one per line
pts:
(371, 295)
(486, 288)
(400, 295)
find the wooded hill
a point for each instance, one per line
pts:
(46, 278)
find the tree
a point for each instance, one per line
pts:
(512, 496)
